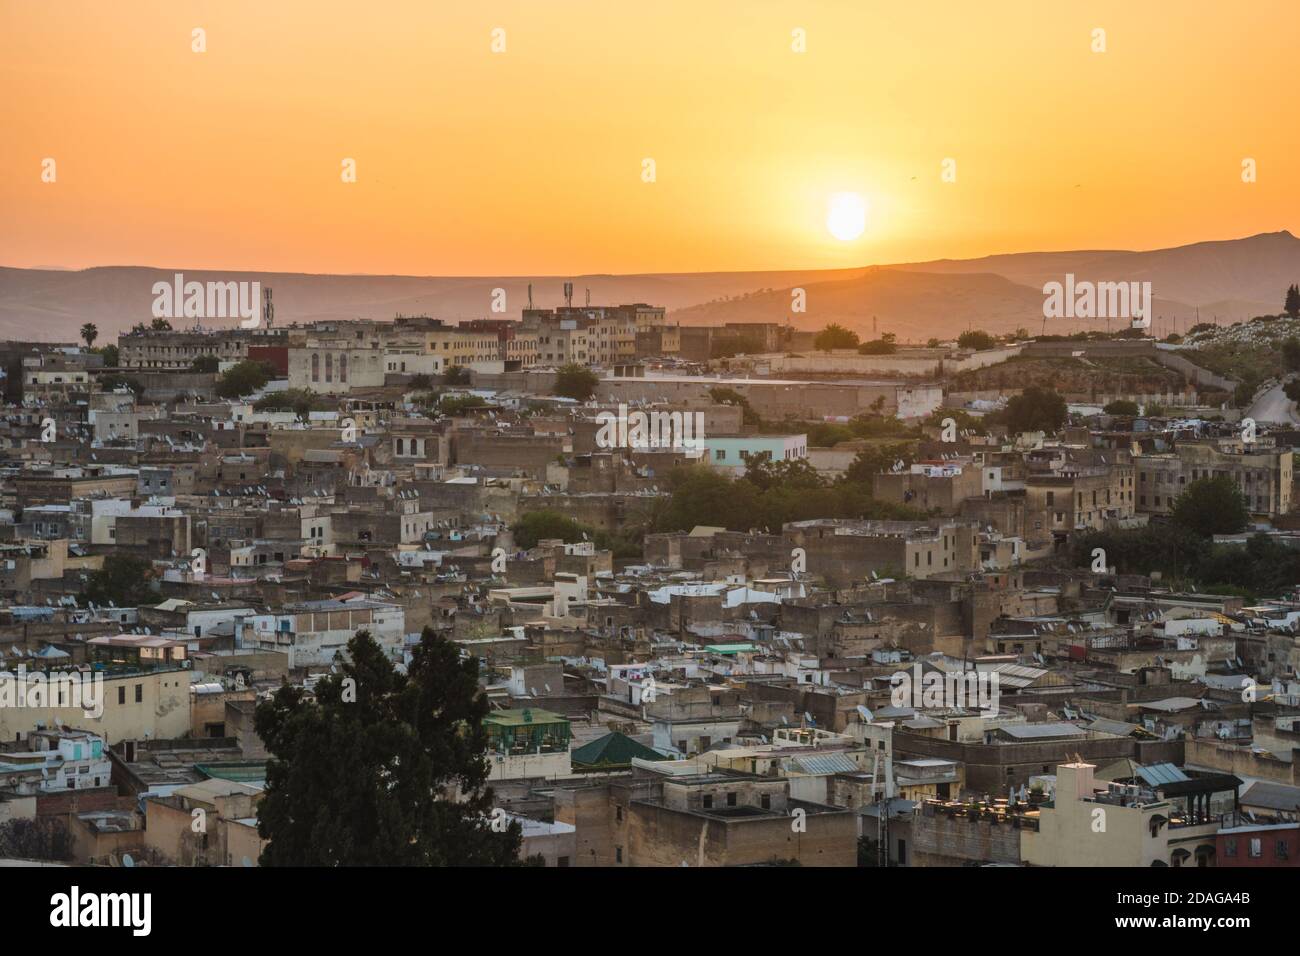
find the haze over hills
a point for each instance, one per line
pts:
(1235, 279)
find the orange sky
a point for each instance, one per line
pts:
(530, 161)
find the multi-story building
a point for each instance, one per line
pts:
(1263, 475)
(312, 632)
(149, 349)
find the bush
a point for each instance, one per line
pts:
(835, 337)
(243, 379)
(459, 404)
(1035, 409)
(1121, 406)
(976, 340)
(576, 382)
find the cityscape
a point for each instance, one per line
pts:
(549, 506)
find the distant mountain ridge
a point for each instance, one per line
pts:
(1234, 278)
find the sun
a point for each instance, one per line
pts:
(846, 216)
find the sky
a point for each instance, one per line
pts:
(532, 159)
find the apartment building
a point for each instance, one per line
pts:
(177, 350)
(1262, 475)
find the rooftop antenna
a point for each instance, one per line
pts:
(588, 291)
(268, 309)
(568, 295)
(530, 297)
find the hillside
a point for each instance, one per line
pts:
(1233, 279)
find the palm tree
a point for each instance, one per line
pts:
(89, 333)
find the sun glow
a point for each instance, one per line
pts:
(847, 216)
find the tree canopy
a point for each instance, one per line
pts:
(122, 581)
(976, 339)
(383, 768)
(576, 382)
(835, 336)
(1210, 506)
(243, 378)
(1036, 409)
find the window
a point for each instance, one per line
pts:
(708, 801)
(562, 861)
(765, 801)
(121, 695)
(1280, 850)
(1256, 848)
(618, 854)
(139, 693)
(731, 799)
(315, 366)
(1230, 846)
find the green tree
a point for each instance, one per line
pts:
(384, 768)
(1036, 409)
(122, 581)
(1292, 305)
(205, 363)
(976, 340)
(160, 325)
(1211, 506)
(460, 404)
(536, 525)
(456, 375)
(576, 382)
(111, 356)
(300, 401)
(1291, 354)
(874, 459)
(1121, 406)
(885, 345)
(835, 336)
(89, 333)
(243, 378)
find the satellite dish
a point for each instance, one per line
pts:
(128, 861)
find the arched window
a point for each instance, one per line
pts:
(315, 366)
(343, 367)
(401, 443)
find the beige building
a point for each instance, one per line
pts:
(1113, 826)
(154, 704)
(211, 823)
(1078, 498)
(1262, 476)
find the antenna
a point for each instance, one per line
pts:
(268, 309)
(530, 297)
(568, 295)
